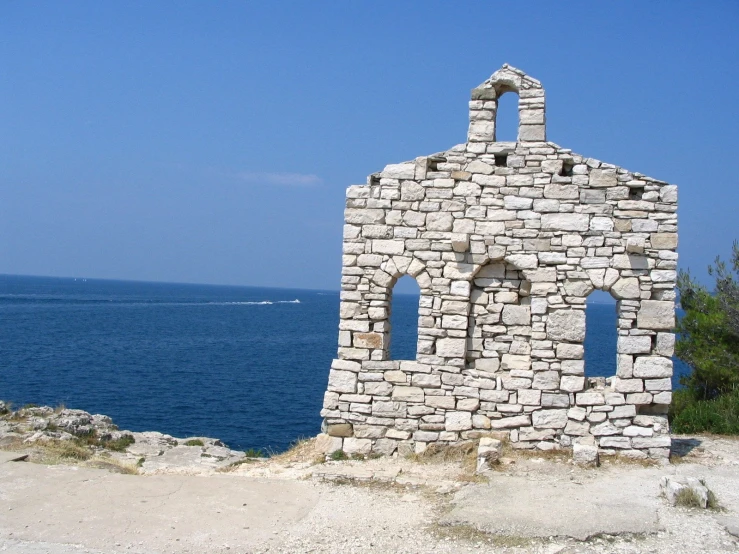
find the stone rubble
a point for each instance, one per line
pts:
(505, 240)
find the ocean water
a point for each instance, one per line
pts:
(246, 365)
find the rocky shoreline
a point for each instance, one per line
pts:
(76, 435)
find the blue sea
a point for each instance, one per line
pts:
(246, 365)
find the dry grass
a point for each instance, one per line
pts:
(302, 450)
(112, 465)
(688, 498)
(443, 454)
(471, 534)
(561, 455)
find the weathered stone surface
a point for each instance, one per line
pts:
(567, 325)
(489, 451)
(652, 367)
(674, 488)
(565, 222)
(326, 444)
(506, 241)
(458, 421)
(551, 419)
(626, 288)
(656, 314)
(342, 381)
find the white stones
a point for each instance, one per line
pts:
(513, 362)
(342, 381)
(408, 394)
(652, 367)
(439, 221)
(400, 171)
(566, 325)
(506, 241)
(489, 451)
(585, 454)
(516, 315)
(517, 203)
(656, 314)
(510, 422)
(626, 288)
(457, 421)
(566, 351)
(601, 224)
(451, 348)
(572, 383)
(549, 419)
(640, 344)
(479, 167)
(388, 246)
(565, 222)
(357, 446)
(603, 178)
(686, 490)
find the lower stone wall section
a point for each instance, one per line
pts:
(388, 407)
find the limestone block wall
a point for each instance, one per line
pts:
(506, 241)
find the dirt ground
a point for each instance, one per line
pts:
(298, 503)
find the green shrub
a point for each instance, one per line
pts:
(120, 444)
(338, 455)
(708, 333)
(255, 453)
(719, 415)
(194, 442)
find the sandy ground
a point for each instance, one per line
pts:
(529, 503)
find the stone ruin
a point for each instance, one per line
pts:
(506, 240)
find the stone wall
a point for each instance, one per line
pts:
(506, 240)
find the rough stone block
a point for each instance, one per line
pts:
(656, 314)
(565, 222)
(626, 288)
(572, 383)
(457, 421)
(451, 348)
(640, 344)
(342, 381)
(326, 444)
(652, 367)
(566, 325)
(516, 315)
(585, 455)
(550, 419)
(408, 394)
(357, 446)
(489, 451)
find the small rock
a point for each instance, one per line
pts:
(488, 453)
(685, 491)
(585, 455)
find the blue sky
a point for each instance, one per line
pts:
(212, 142)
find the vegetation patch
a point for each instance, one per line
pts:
(194, 442)
(255, 453)
(708, 341)
(119, 444)
(719, 415)
(338, 455)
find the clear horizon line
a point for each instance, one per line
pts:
(187, 283)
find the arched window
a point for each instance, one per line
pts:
(601, 334)
(403, 333)
(506, 118)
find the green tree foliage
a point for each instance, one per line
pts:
(708, 334)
